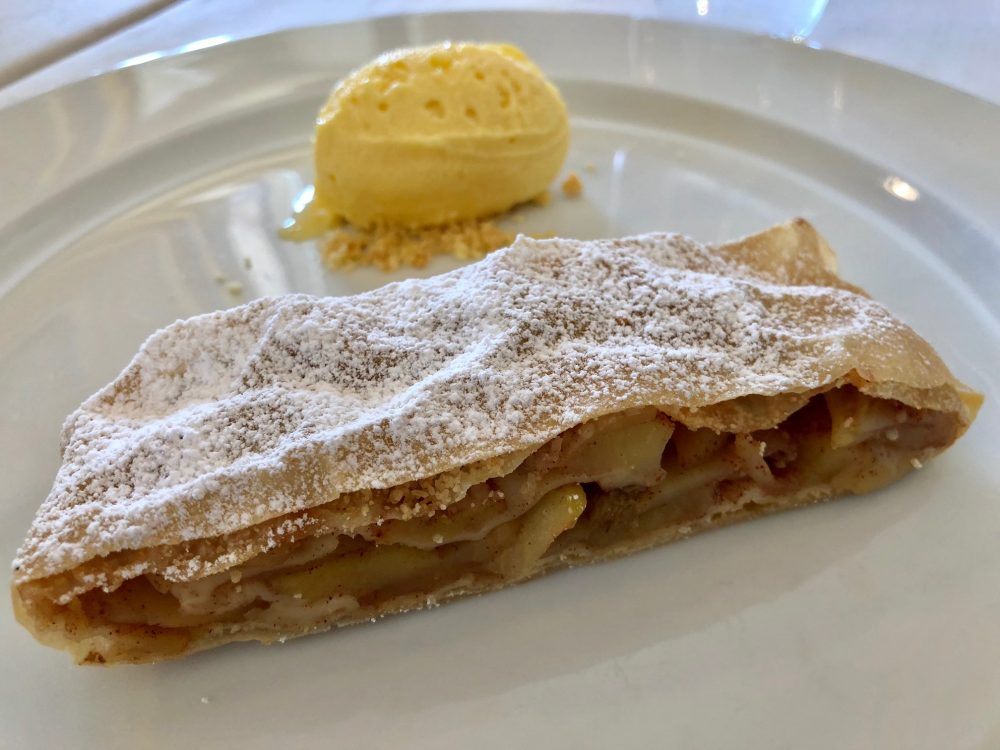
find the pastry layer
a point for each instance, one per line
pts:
(599, 490)
(296, 462)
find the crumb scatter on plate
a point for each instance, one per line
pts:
(387, 247)
(572, 186)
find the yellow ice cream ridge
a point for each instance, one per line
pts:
(433, 135)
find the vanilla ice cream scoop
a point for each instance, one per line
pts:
(432, 135)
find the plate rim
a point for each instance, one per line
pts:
(962, 106)
(169, 61)
(198, 47)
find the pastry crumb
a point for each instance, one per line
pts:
(387, 247)
(572, 187)
(590, 167)
(235, 288)
(542, 199)
(915, 463)
(204, 699)
(247, 263)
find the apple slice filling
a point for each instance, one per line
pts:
(635, 475)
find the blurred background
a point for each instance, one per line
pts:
(47, 43)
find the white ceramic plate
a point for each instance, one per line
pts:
(868, 622)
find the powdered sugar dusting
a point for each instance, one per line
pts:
(232, 418)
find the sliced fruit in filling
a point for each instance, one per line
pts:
(622, 481)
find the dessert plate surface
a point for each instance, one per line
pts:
(154, 192)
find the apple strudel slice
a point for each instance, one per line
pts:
(296, 463)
